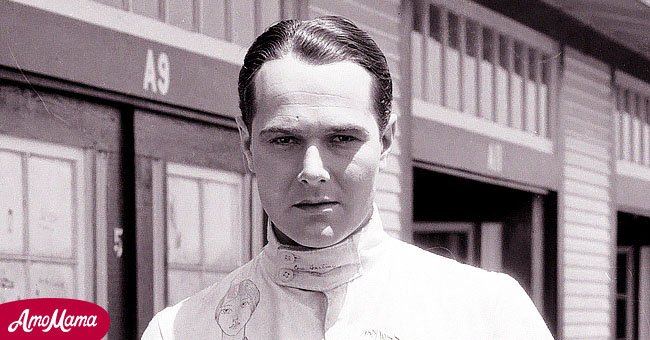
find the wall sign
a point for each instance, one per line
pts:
(495, 157)
(201, 82)
(156, 73)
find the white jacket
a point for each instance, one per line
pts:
(370, 286)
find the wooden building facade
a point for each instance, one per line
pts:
(523, 146)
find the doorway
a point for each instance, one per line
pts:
(633, 277)
(490, 224)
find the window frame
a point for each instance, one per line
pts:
(427, 105)
(83, 226)
(627, 88)
(250, 217)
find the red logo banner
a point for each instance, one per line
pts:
(52, 318)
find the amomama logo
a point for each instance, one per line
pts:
(52, 318)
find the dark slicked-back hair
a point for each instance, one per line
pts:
(318, 41)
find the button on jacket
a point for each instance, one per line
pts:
(370, 286)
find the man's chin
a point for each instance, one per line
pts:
(319, 236)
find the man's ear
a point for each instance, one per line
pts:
(387, 138)
(245, 142)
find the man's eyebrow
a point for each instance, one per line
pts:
(278, 130)
(354, 129)
(351, 129)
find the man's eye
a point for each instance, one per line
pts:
(343, 139)
(226, 311)
(283, 140)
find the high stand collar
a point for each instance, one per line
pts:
(326, 268)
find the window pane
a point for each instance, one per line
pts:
(148, 8)
(532, 64)
(183, 221)
(486, 75)
(470, 76)
(454, 31)
(181, 284)
(502, 95)
(452, 64)
(435, 23)
(222, 213)
(181, 13)
(270, 13)
(417, 16)
(471, 38)
(51, 280)
(11, 203)
(503, 52)
(243, 29)
(50, 207)
(517, 87)
(213, 21)
(488, 45)
(12, 281)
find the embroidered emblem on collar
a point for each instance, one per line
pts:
(376, 334)
(236, 308)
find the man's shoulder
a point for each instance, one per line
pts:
(413, 263)
(193, 310)
(427, 261)
(461, 290)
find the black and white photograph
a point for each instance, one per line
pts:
(325, 169)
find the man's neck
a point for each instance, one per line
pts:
(287, 241)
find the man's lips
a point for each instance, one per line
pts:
(310, 205)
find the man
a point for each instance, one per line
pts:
(316, 128)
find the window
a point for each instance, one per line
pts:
(44, 239)
(474, 61)
(233, 21)
(632, 120)
(204, 227)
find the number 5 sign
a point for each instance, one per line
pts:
(156, 73)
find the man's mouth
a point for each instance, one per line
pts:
(315, 204)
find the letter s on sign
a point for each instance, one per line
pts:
(163, 73)
(156, 73)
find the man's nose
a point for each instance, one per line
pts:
(313, 170)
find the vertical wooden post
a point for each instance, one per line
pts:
(462, 49)
(158, 203)
(537, 252)
(444, 23)
(479, 62)
(510, 50)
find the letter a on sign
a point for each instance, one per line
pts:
(150, 73)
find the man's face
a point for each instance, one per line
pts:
(315, 147)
